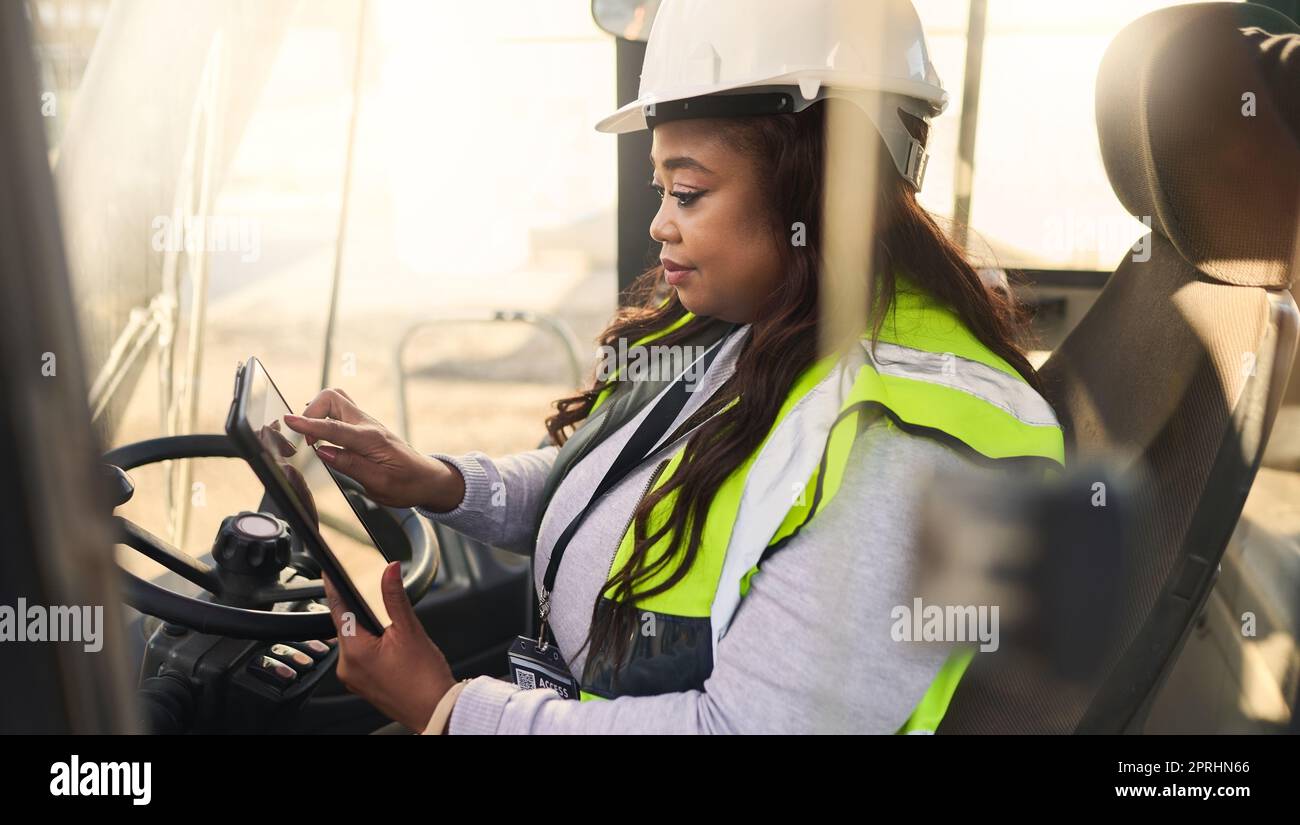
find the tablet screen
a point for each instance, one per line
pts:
(311, 483)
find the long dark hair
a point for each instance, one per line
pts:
(789, 151)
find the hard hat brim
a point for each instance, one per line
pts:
(631, 117)
(628, 118)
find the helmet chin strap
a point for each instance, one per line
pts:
(917, 161)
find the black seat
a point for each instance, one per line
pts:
(1175, 375)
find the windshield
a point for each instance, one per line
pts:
(210, 202)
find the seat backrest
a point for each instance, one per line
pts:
(1175, 375)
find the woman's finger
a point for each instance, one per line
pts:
(330, 429)
(335, 603)
(334, 403)
(396, 601)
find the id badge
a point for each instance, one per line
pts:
(532, 667)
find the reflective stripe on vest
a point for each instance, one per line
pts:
(929, 375)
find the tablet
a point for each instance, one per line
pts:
(302, 486)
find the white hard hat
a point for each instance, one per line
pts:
(718, 58)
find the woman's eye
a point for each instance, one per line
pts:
(684, 198)
(687, 198)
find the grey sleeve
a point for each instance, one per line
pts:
(810, 648)
(502, 497)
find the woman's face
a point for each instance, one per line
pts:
(719, 252)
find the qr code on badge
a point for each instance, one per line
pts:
(525, 680)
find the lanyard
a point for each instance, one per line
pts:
(638, 447)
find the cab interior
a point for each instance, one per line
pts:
(408, 200)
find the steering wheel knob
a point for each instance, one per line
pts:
(258, 525)
(252, 544)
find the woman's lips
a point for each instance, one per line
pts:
(674, 272)
(676, 276)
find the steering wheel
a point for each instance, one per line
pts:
(242, 587)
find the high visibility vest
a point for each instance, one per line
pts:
(926, 372)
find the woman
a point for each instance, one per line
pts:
(732, 557)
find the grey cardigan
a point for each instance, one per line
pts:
(809, 649)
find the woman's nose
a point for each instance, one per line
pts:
(663, 229)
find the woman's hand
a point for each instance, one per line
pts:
(391, 471)
(402, 672)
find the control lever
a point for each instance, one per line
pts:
(167, 703)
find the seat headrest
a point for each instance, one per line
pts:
(1198, 115)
